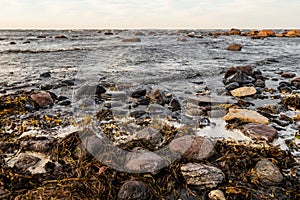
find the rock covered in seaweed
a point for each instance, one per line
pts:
(134, 190)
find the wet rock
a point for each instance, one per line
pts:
(114, 95)
(174, 105)
(292, 33)
(232, 86)
(202, 176)
(288, 75)
(245, 115)
(234, 31)
(143, 161)
(140, 33)
(138, 93)
(182, 40)
(46, 75)
(108, 33)
(12, 43)
(156, 109)
(216, 195)
(150, 135)
(90, 91)
(296, 82)
(69, 82)
(210, 100)
(41, 36)
(266, 33)
(240, 78)
(292, 101)
(193, 147)
(267, 173)
(137, 113)
(260, 131)
(243, 91)
(134, 190)
(25, 161)
(156, 96)
(60, 36)
(234, 47)
(113, 104)
(43, 99)
(132, 40)
(64, 103)
(37, 144)
(260, 83)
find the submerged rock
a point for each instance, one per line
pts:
(246, 116)
(260, 131)
(134, 190)
(202, 176)
(243, 91)
(288, 75)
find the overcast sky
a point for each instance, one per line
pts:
(256, 14)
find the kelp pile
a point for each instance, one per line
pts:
(80, 176)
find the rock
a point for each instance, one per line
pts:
(43, 99)
(293, 33)
(144, 161)
(216, 195)
(296, 82)
(234, 31)
(37, 144)
(253, 32)
(235, 47)
(139, 33)
(243, 91)
(132, 40)
(64, 103)
(260, 131)
(156, 109)
(292, 101)
(245, 115)
(266, 33)
(138, 93)
(182, 40)
(193, 147)
(202, 176)
(150, 135)
(68, 82)
(267, 173)
(108, 33)
(174, 105)
(114, 95)
(288, 75)
(209, 100)
(25, 161)
(155, 96)
(12, 43)
(232, 86)
(240, 77)
(137, 113)
(41, 36)
(134, 190)
(46, 75)
(260, 83)
(61, 37)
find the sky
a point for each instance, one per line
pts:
(138, 14)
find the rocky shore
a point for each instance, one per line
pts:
(104, 141)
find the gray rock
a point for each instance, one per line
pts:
(240, 77)
(208, 100)
(151, 135)
(267, 173)
(134, 190)
(114, 95)
(202, 176)
(232, 86)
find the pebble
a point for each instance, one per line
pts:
(216, 195)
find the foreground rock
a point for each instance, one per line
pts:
(243, 91)
(248, 116)
(192, 147)
(202, 176)
(267, 173)
(260, 131)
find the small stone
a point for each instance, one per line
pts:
(138, 93)
(266, 33)
(174, 105)
(260, 83)
(182, 40)
(64, 103)
(134, 190)
(216, 195)
(191, 147)
(202, 176)
(245, 115)
(288, 75)
(61, 37)
(155, 96)
(243, 91)
(42, 99)
(232, 86)
(267, 173)
(132, 40)
(46, 75)
(260, 131)
(235, 47)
